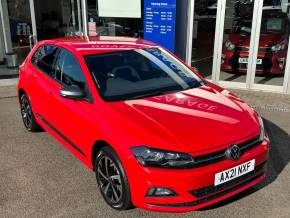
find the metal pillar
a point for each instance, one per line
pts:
(79, 16)
(85, 17)
(2, 46)
(287, 74)
(73, 14)
(5, 26)
(33, 22)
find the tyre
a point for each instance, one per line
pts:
(27, 115)
(112, 180)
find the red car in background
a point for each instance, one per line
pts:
(273, 45)
(157, 135)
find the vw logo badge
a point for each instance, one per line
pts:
(234, 152)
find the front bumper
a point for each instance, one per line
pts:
(195, 187)
(273, 64)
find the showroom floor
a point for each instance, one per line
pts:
(39, 178)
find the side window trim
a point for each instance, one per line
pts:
(61, 49)
(35, 64)
(54, 66)
(89, 97)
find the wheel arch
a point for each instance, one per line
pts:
(21, 91)
(98, 145)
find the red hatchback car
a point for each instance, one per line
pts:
(157, 134)
(273, 45)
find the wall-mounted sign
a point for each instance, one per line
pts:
(159, 22)
(119, 8)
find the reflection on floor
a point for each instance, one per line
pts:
(260, 79)
(204, 66)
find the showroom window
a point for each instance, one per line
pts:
(124, 19)
(203, 37)
(251, 52)
(34, 20)
(273, 46)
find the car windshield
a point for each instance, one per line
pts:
(269, 25)
(273, 25)
(139, 73)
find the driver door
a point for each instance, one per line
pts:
(69, 118)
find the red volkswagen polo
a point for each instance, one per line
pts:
(157, 135)
(273, 45)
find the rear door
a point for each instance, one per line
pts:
(42, 64)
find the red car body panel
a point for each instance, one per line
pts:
(197, 121)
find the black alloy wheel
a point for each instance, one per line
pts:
(27, 115)
(112, 180)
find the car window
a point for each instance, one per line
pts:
(130, 74)
(68, 71)
(44, 58)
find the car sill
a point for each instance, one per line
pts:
(61, 135)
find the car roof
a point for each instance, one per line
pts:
(87, 45)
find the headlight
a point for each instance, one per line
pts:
(262, 127)
(279, 47)
(229, 45)
(163, 159)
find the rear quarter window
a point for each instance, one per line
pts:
(44, 58)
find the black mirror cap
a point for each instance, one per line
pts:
(72, 92)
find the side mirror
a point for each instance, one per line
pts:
(72, 92)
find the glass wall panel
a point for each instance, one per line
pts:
(55, 18)
(20, 27)
(112, 26)
(203, 36)
(273, 43)
(236, 40)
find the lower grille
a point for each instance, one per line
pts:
(214, 196)
(261, 49)
(211, 190)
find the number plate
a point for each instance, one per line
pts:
(245, 61)
(235, 172)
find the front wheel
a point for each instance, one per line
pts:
(112, 180)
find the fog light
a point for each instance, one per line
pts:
(160, 192)
(281, 62)
(223, 58)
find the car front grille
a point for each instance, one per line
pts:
(211, 158)
(212, 190)
(245, 180)
(246, 49)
